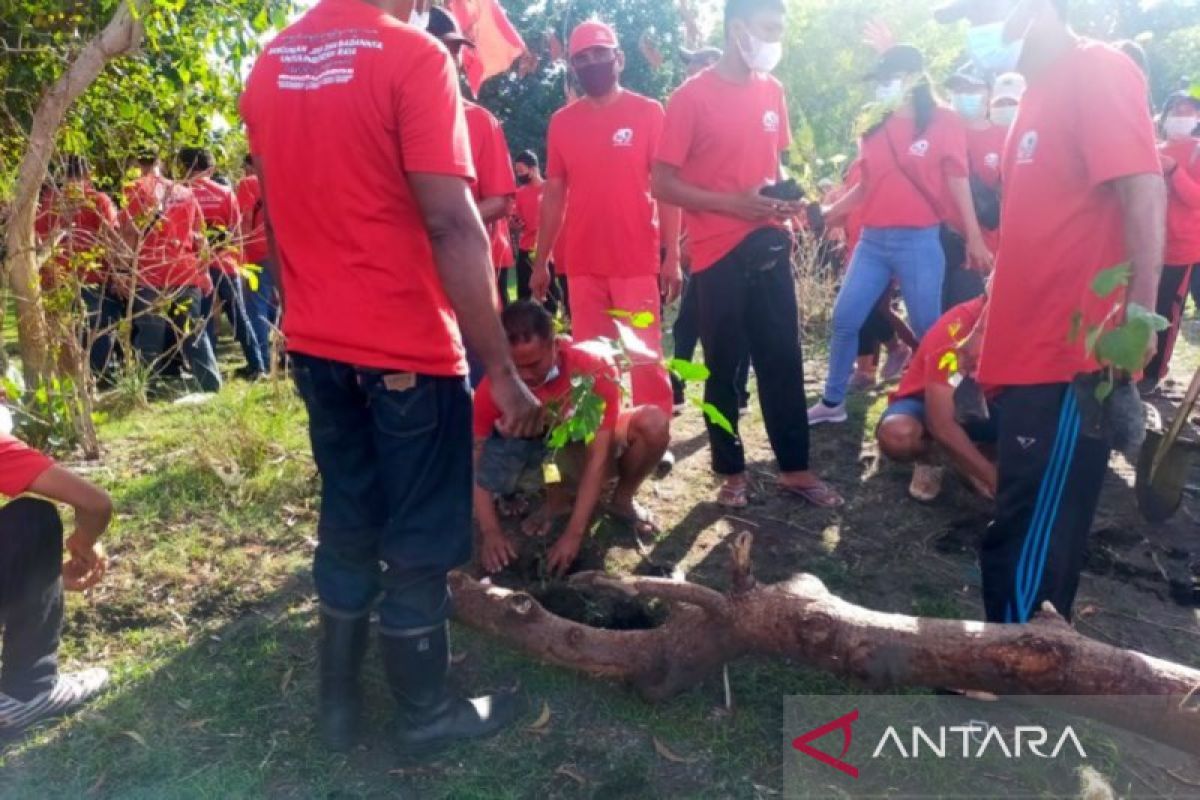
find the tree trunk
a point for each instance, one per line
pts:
(122, 34)
(802, 621)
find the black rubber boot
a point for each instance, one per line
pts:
(343, 645)
(417, 664)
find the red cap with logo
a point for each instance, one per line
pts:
(592, 33)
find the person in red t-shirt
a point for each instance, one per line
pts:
(163, 225)
(84, 221)
(33, 577)
(921, 412)
(916, 204)
(1083, 192)
(1180, 155)
(262, 302)
(600, 150)
(526, 218)
(725, 133)
(356, 124)
(629, 444)
(222, 225)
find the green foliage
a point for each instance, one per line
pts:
(576, 418)
(44, 417)
(1111, 279)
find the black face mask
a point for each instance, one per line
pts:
(597, 80)
(523, 180)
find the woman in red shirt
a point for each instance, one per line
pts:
(1180, 154)
(914, 180)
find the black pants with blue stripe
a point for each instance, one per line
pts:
(1050, 481)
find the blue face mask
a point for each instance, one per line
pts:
(969, 106)
(989, 51)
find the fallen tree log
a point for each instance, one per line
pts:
(802, 621)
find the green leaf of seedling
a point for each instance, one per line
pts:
(1125, 347)
(688, 371)
(1111, 279)
(1076, 327)
(1104, 390)
(715, 416)
(1093, 335)
(1157, 322)
(642, 319)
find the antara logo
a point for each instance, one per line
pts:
(1027, 148)
(771, 122)
(623, 137)
(919, 148)
(976, 738)
(992, 161)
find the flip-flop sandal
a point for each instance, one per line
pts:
(733, 496)
(641, 521)
(819, 494)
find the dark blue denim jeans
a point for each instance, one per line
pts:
(31, 596)
(104, 311)
(262, 306)
(228, 289)
(394, 452)
(162, 315)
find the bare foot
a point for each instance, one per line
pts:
(734, 492)
(634, 515)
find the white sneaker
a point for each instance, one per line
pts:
(69, 693)
(821, 414)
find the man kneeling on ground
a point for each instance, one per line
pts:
(630, 443)
(921, 415)
(32, 579)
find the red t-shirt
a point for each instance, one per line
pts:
(1183, 207)
(339, 108)
(573, 360)
(603, 155)
(493, 165)
(985, 149)
(79, 213)
(171, 223)
(724, 137)
(944, 337)
(219, 206)
(1082, 124)
(529, 207)
(20, 466)
(896, 160)
(254, 221)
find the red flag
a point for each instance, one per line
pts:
(497, 43)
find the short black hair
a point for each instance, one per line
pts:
(525, 321)
(744, 9)
(76, 168)
(195, 159)
(1136, 52)
(248, 161)
(147, 159)
(528, 158)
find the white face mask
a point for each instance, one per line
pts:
(6, 420)
(760, 56)
(1004, 116)
(419, 19)
(890, 94)
(1179, 127)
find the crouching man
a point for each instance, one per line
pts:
(628, 445)
(920, 419)
(32, 579)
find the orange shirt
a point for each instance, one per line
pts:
(20, 466)
(171, 223)
(905, 173)
(603, 155)
(493, 166)
(724, 137)
(1183, 206)
(339, 107)
(573, 361)
(254, 221)
(1082, 124)
(222, 222)
(944, 337)
(528, 211)
(80, 214)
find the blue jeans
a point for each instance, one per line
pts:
(228, 289)
(394, 452)
(162, 315)
(104, 311)
(914, 257)
(262, 306)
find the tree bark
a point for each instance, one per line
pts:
(121, 35)
(802, 621)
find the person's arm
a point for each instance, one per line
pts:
(1185, 184)
(93, 513)
(1144, 209)
(979, 257)
(495, 208)
(550, 221)
(496, 551)
(669, 188)
(462, 254)
(945, 430)
(670, 281)
(591, 485)
(841, 208)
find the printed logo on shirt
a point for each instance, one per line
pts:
(771, 122)
(920, 148)
(992, 161)
(1027, 147)
(1026, 442)
(623, 137)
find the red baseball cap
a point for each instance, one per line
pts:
(592, 33)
